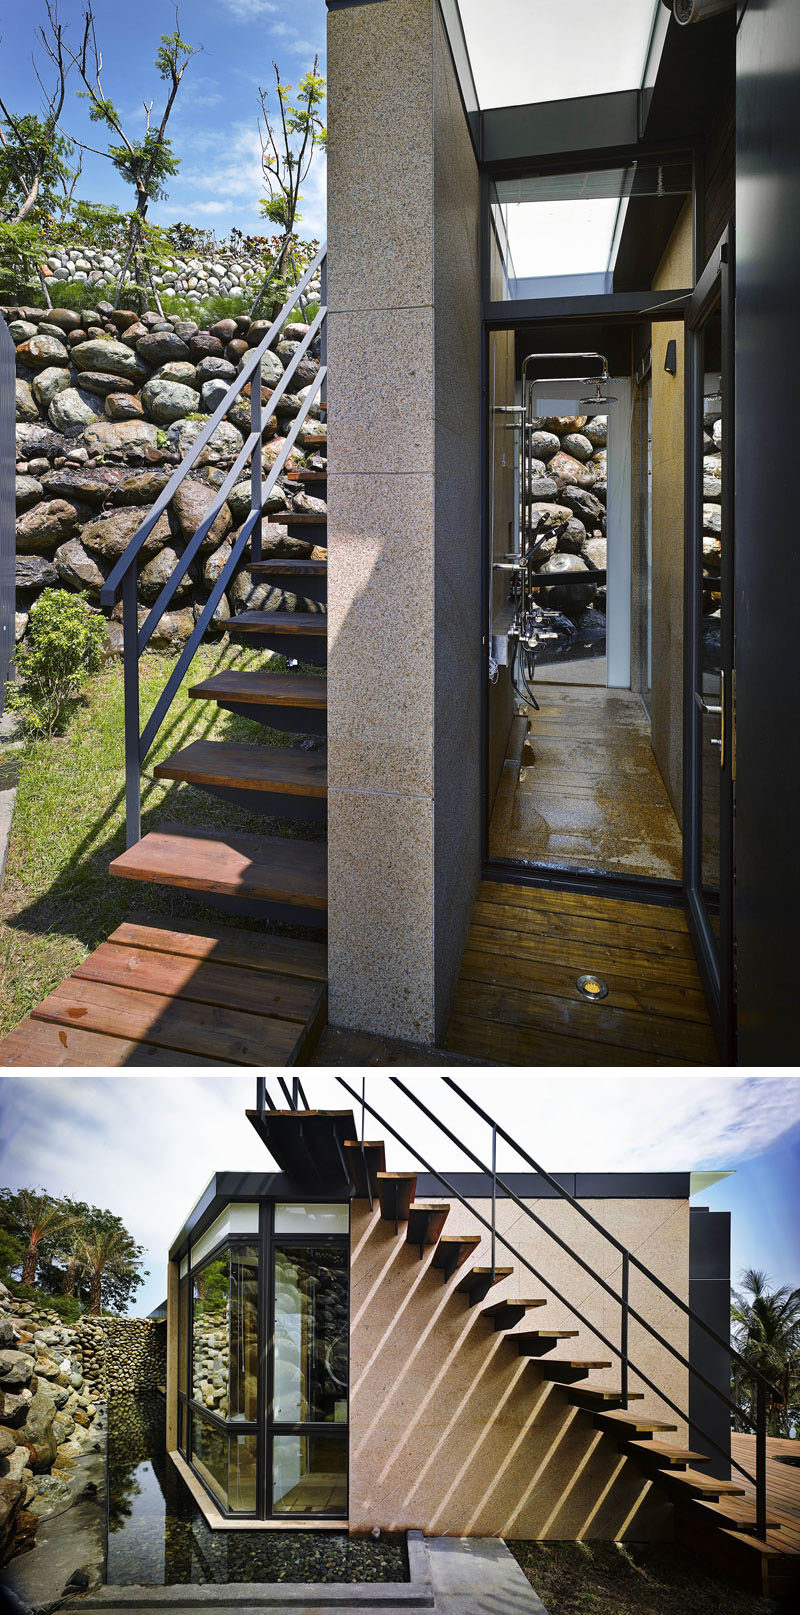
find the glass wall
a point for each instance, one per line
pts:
(263, 1422)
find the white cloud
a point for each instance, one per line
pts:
(244, 10)
(230, 173)
(147, 1146)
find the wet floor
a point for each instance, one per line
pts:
(157, 1535)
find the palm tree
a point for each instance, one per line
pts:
(766, 1331)
(45, 1222)
(106, 1251)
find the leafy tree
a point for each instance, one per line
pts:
(63, 648)
(109, 1255)
(289, 139)
(37, 182)
(145, 163)
(36, 1224)
(766, 1331)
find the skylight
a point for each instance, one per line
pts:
(545, 50)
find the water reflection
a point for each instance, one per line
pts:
(158, 1536)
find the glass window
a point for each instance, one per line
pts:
(244, 1333)
(242, 1469)
(210, 1335)
(309, 1219)
(210, 1456)
(183, 1336)
(309, 1474)
(235, 1219)
(310, 1335)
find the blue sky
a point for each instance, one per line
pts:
(214, 124)
(146, 1146)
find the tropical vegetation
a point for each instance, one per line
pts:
(80, 1256)
(765, 1329)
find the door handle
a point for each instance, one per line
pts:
(711, 709)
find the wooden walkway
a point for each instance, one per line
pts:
(783, 1487)
(154, 997)
(517, 1001)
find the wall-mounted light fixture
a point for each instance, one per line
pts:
(686, 11)
(671, 357)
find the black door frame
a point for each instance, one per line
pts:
(716, 959)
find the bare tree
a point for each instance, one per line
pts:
(288, 146)
(35, 176)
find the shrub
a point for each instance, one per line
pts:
(69, 1307)
(78, 294)
(63, 648)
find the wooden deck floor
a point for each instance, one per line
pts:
(585, 791)
(517, 1001)
(783, 1487)
(154, 997)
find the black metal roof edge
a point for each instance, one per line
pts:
(227, 1187)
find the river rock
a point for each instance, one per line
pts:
(41, 351)
(21, 331)
(712, 519)
(712, 490)
(551, 514)
(248, 595)
(141, 487)
(123, 407)
(239, 501)
(120, 437)
(576, 444)
(573, 538)
(596, 551)
(98, 381)
(122, 317)
(160, 347)
(597, 431)
(571, 471)
(65, 318)
(16, 1369)
(225, 440)
(224, 329)
(110, 534)
(12, 1493)
(37, 442)
(216, 562)
(26, 409)
(37, 1431)
(712, 554)
(179, 370)
(203, 345)
(70, 411)
(110, 358)
(214, 369)
(91, 485)
(77, 568)
(27, 491)
(585, 505)
(311, 429)
(48, 383)
(45, 526)
(543, 445)
(132, 335)
(173, 630)
(168, 401)
(712, 466)
(220, 617)
(33, 572)
(188, 508)
(542, 488)
(212, 395)
(157, 572)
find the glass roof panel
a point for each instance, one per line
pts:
(545, 50)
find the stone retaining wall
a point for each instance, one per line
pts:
(107, 406)
(214, 272)
(123, 1354)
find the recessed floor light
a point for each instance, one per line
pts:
(592, 987)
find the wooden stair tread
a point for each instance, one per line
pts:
(259, 688)
(477, 1283)
(551, 1334)
(699, 1485)
(175, 976)
(281, 564)
(567, 1371)
(300, 518)
(229, 1035)
(364, 1168)
(425, 1222)
(735, 1514)
(264, 868)
(46, 1043)
(663, 1453)
(280, 622)
(395, 1193)
(504, 1314)
(299, 475)
(598, 1393)
(283, 769)
(316, 440)
(254, 950)
(625, 1421)
(305, 1144)
(453, 1250)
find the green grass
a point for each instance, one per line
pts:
(614, 1578)
(58, 900)
(68, 1307)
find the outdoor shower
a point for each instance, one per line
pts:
(532, 624)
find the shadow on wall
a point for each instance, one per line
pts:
(453, 1432)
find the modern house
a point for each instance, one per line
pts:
(463, 1353)
(550, 422)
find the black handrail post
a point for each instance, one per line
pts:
(130, 676)
(255, 464)
(494, 1202)
(261, 1096)
(623, 1327)
(323, 335)
(761, 1458)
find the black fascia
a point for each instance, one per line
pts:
(537, 131)
(226, 1188)
(581, 1185)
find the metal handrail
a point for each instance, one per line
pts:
(124, 574)
(621, 1350)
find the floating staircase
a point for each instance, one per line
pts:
(712, 1515)
(275, 876)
